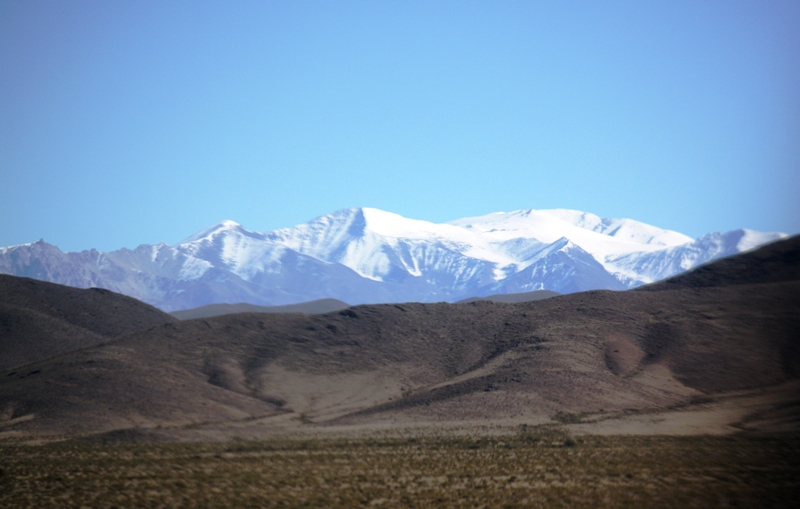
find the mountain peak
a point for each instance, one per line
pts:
(367, 220)
(222, 226)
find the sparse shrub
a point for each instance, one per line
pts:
(569, 417)
(443, 470)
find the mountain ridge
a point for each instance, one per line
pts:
(366, 255)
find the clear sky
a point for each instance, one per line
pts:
(133, 122)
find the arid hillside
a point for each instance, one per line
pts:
(730, 326)
(39, 320)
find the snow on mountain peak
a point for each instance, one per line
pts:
(600, 236)
(394, 225)
(213, 230)
(751, 239)
(369, 255)
(389, 224)
(623, 229)
(20, 246)
(376, 243)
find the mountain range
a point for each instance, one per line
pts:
(366, 255)
(714, 350)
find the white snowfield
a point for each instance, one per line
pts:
(374, 243)
(363, 255)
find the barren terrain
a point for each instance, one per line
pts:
(703, 337)
(685, 392)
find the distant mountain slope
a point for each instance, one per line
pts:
(365, 255)
(39, 320)
(407, 363)
(512, 298)
(313, 307)
(773, 263)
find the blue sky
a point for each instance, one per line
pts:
(124, 123)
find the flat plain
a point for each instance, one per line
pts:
(542, 468)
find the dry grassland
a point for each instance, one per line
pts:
(529, 469)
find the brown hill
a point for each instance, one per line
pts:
(39, 320)
(400, 365)
(314, 307)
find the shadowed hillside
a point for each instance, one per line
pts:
(406, 364)
(39, 320)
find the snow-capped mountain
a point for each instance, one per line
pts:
(365, 255)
